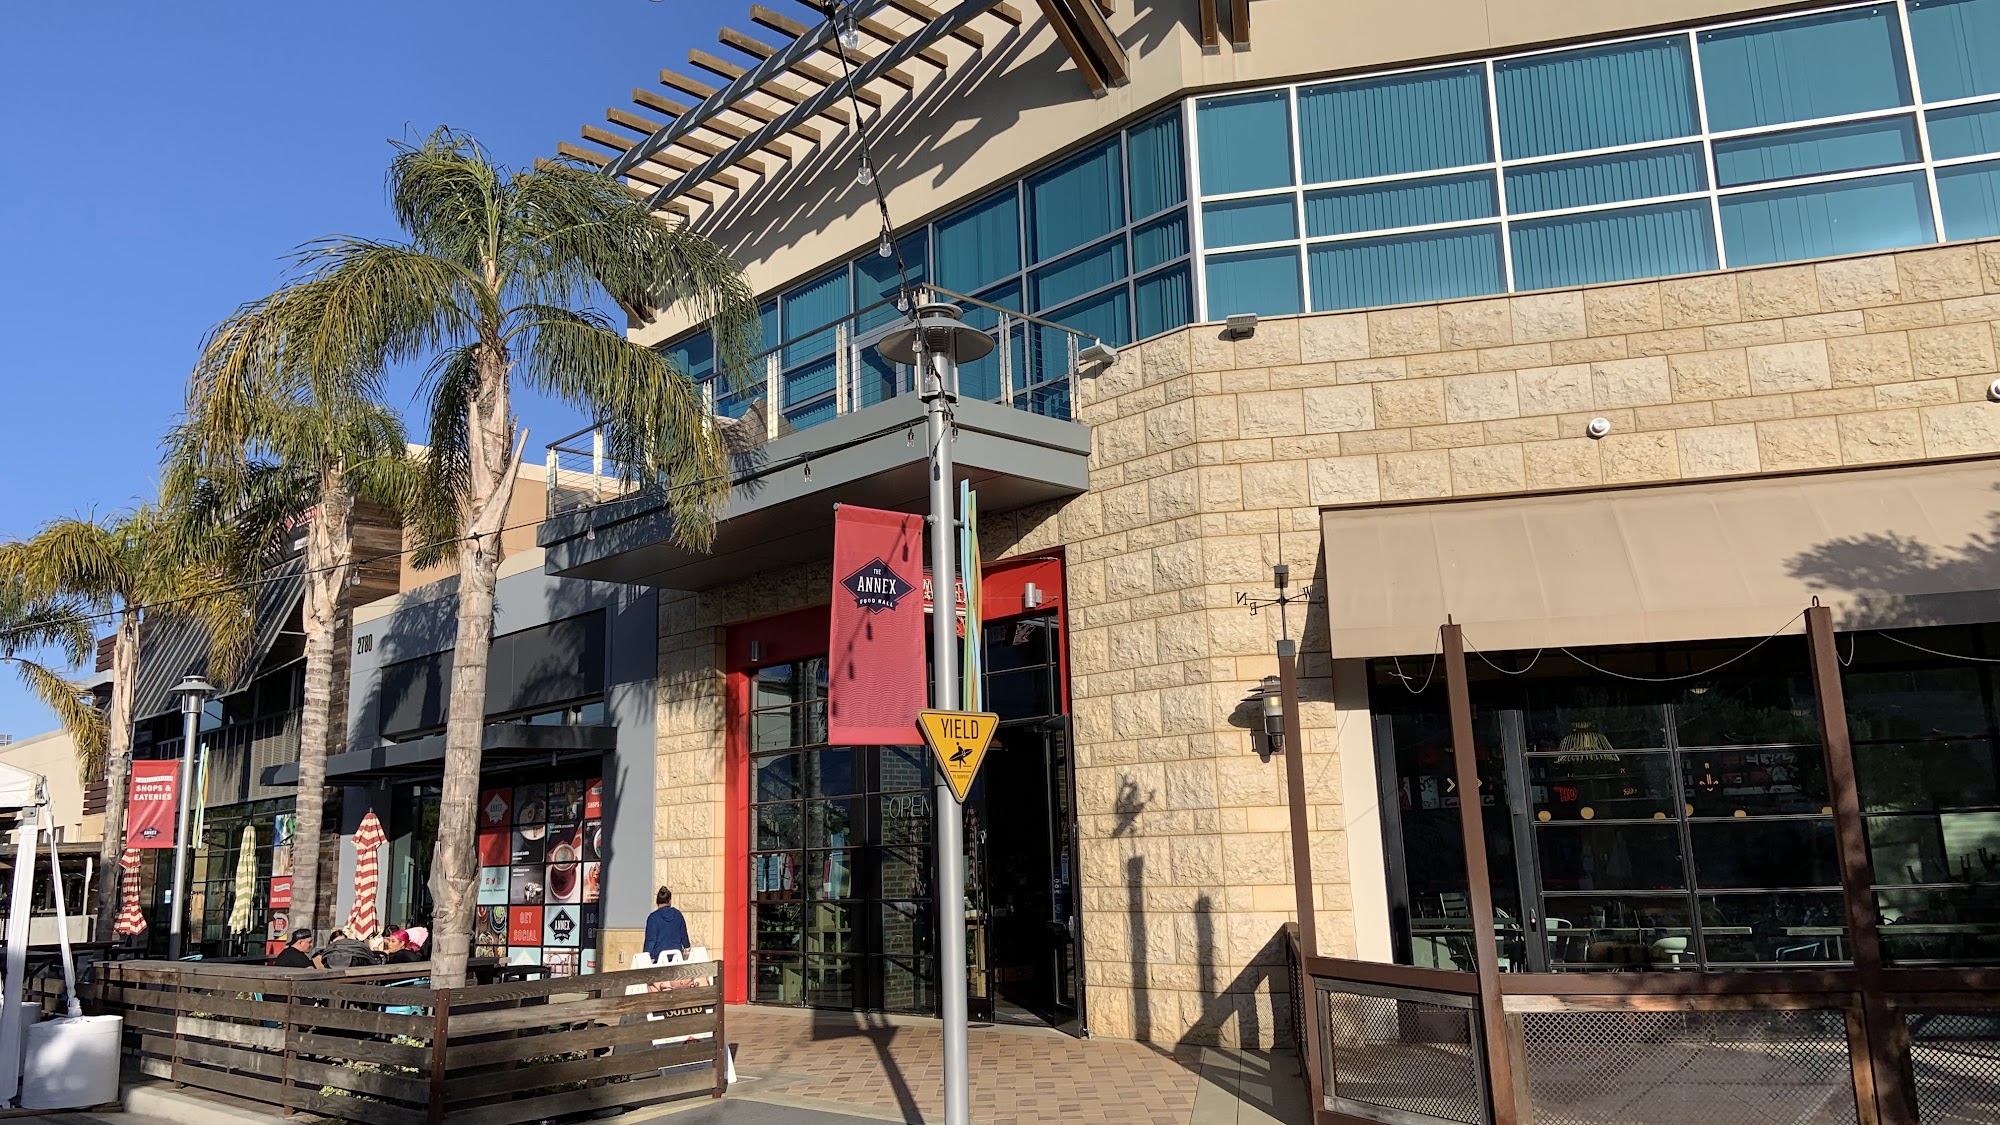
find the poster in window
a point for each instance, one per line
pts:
(565, 883)
(281, 924)
(593, 799)
(524, 955)
(279, 897)
(593, 887)
(495, 847)
(531, 804)
(497, 951)
(565, 843)
(566, 801)
(494, 883)
(588, 960)
(560, 962)
(490, 925)
(562, 925)
(524, 885)
(496, 808)
(524, 925)
(593, 840)
(531, 843)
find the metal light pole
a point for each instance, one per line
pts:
(194, 692)
(934, 347)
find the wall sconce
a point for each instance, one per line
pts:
(1097, 352)
(1241, 326)
(1270, 701)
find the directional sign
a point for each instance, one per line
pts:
(959, 740)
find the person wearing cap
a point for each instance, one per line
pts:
(297, 953)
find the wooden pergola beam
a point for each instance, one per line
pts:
(620, 145)
(1211, 26)
(891, 36)
(804, 69)
(646, 127)
(1060, 18)
(917, 9)
(765, 17)
(1239, 22)
(596, 160)
(673, 108)
(695, 87)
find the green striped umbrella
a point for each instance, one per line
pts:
(246, 882)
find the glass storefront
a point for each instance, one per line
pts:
(1666, 807)
(841, 848)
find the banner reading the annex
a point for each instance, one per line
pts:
(875, 673)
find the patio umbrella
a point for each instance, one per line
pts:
(246, 882)
(368, 841)
(131, 918)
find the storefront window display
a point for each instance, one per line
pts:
(541, 851)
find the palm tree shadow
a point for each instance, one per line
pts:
(1892, 580)
(829, 1027)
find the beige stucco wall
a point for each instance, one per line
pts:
(1214, 459)
(1019, 103)
(53, 755)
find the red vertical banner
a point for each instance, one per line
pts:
(875, 674)
(150, 810)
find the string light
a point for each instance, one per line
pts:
(886, 247)
(865, 174)
(850, 34)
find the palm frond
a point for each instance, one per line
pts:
(72, 557)
(447, 193)
(75, 709)
(61, 624)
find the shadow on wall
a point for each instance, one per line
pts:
(1897, 581)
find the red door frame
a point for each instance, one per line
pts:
(801, 635)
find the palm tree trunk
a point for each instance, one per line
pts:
(117, 768)
(329, 551)
(454, 864)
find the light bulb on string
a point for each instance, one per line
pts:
(865, 174)
(885, 248)
(850, 35)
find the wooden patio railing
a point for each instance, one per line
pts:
(357, 1045)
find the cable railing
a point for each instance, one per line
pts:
(834, 369)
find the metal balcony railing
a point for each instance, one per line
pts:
(834, 369)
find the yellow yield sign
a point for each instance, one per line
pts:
(959, 740)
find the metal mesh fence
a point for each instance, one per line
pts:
(1387, 1050)
(1955, 1059)
(1689, 1068)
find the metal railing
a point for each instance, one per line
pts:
(834, 369)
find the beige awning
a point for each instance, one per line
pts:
(1883, 547)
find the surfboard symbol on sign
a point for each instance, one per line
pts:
(958, 740)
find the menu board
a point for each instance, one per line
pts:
(541, 856)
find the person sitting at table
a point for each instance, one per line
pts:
(297, 953)
(398, 950)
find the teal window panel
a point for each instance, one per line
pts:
(1797, 69)
(805, 309)
(803, 384)
(1820, 220)
(980, 379)
(1256, 281)
(1163, 301)
(1159, 241)
(1245, 142)
(1601, 246)
(1618, 177)
(1958, 47)
(1242, 222)
(1817, 151)
(1969, 197)
(1077, 274)
(767, 326)
(1430, 266)
(1106, 316)
(1598, 97)
(1400, 203)
(1389, 126)
(875, 379)
(1156, 159)
(1966, 130)
(980, 244)
(1077, 202)
(695, 356)
(806, 417)
(877, 279)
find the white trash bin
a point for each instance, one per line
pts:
(72, 1062)
(31, 1013)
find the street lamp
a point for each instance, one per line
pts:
(194, 693)
(935, 345)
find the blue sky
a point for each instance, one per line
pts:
(164, 158)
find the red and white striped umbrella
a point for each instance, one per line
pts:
(131, 918)
(368, 841)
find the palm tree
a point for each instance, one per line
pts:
(143, 565)
(61, 625)
(493, 289)
(257, 457)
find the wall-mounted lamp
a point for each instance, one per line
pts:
(1241, 326)
(1097, 352)
(1270, 701)
(1031, 595)
(756, 651)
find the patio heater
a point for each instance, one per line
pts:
(194, 693)
(935, 345)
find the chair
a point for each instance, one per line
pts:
(1672, 950)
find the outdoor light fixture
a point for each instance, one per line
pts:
(850, 35)
(1241, 326)
(885, 248)
(194, 693)
(1598, 427)
(1097, 352)
(865, 174)
(1274, 715)
(1993, 391)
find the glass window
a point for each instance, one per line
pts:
(1752, 853)
(1949, 847)
(1757, 928)
(1800, 69)
(1610, 857)
(777, 777)
(695, 356)
(1157, 157)
(802, 384)
(1106, 316)
(1079, 273)
(1617, 178)
(1242, 222)
(878, 279)
(1822, 220)
(1954, 43)
(980, 378)
(1940, 924)
(1401, 203)
(980, 244)
(1937, 699)
(1433, 266)
(1816, 151)
(1600, 786)
(1163, 301)
(1922, 776)
(1245, 142)
(1598, 97)
(1159, 242)
(1735, 708)
(818, 302)
(1388, 126)
(1076, 202)
(1617, 931)
(1966, 130)
(1761, 781)
(1261, 281)
(1600, 246)
(1969, 196)
(1594, 718)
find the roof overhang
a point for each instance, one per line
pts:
(506, 744)
(780, 513)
